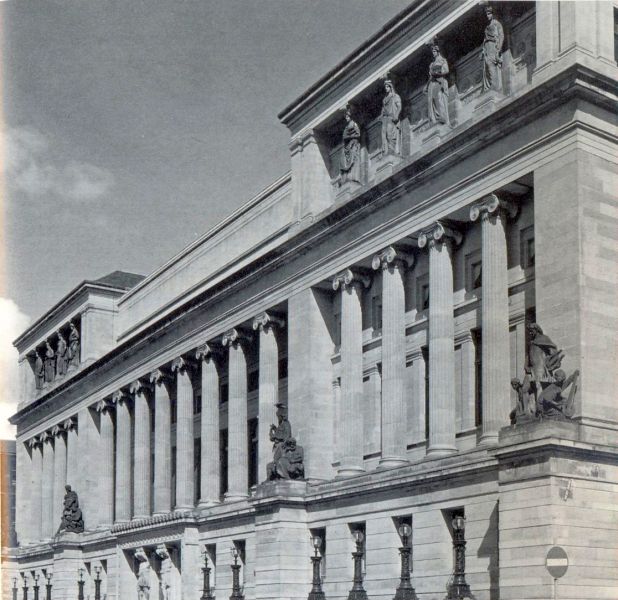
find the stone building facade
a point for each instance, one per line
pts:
(383, 291)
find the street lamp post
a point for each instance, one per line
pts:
(236, 591)
(48, 585)
(80, 584)
(459, 589)
(14, 588)
(25, 588)
(405, 591)
(358, 591)
(35, 587)
(97, 583)
(316, 592)
(206, 591)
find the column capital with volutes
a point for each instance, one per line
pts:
(183, 364)
(268, 321)
(159, 377)
(437, 233)
(493, 205)
(69, 424)
(103, 406)
(392, 257)
(351, 277)
(58, 430)
(207, 352)
(235, 336)
(120, 397)
(140, 386)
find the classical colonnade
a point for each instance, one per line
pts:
(123, 477)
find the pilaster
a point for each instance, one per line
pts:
(105, 463)
(60, 473)
(163, 443)
(36, 481)
(47, 489)
(123, 456)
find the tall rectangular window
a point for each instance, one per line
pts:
(252, 443)
(223, 461)
(477, 340)
(197, 468)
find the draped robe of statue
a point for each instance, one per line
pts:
(50, 364)
(73, 353)
(39, 371)
(391, 128)
(437, 90)
(492, 59)
(350, 155)
(61, 356)
(72, 519)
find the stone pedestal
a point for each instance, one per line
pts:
(385, 165)
(346, 190)
(67, 562)
(486, 103)
(282, 541)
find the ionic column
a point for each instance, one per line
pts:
(123, 456)
(351, 284)
(237, 456)
(268, 392)
(210, 471)
(184, 433)
(105, 503)
(163, 443)
(494, 314)
(60, 474)
(442, 423)
(141, 449)
(393, 264)
(70, 426)
(36, 480)
(47, 490)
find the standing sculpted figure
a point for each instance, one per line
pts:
(62, 359)
(491, 54)
(39, 370)
(350, 155)
(73, 353)
(143, 575)
(50, 363)
(437, 88)
(391, 128)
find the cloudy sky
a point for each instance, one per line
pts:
(131, 127)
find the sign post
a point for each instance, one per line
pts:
(556, 563)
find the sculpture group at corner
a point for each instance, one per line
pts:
(56, 363)
(545, 391)
(72, 520)
(436, 90)
(288, 457)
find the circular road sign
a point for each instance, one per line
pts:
(557, 562)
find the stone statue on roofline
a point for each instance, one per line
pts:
(62, 359)
(391, 125)
(288, 457)
(39, 370)
(491, 54)
(74, 346)
(50, 363)
(437, 87)
(541, 393)
(349, 166)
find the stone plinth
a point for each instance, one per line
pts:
(385, 165)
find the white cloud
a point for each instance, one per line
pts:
(31, 170)
(12, 324)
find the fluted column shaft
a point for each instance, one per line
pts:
(442, 418)
(141, 461)
(47, 491)
(123, 458)
(210, 470)
(393, 357)
(237, 457)
(162, 446)
(494, 315)
(268, 393)
(105, 503)
(36, 482)
(351, 424)
(60, 476)
(185, 488)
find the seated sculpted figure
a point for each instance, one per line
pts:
(287, 456)
(72, 519)
(551, 404)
